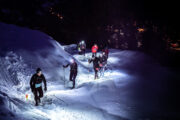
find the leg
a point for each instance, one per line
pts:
(36, 96)
(71, 76)
(96, 74)
(107, 56)
(40, 93)
(100, 71)
(103, 70)
(74, 79)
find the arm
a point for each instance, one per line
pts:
(32, 83)
(44, 81)
(65, 66)
(90, 60)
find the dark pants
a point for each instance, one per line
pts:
(96, 69)
(38, 93)
(107, 55)
(102, 69)
(72, 77)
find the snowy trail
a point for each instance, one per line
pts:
(93, 99)
(65, 102)
(69, 99)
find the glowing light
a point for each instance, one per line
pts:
(55, 14)
(174, 45)
(61, 17)
(116, 30)
(141, 29)
(71, 60)
(139, 44)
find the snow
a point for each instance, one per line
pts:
(112, 97)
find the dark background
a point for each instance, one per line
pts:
(69, 21)
(81, 18)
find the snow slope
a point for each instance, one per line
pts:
(22, 51)
(123, 93)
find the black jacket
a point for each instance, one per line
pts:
(95, 61)
(37, 80)
(103, 59)
(73, 67)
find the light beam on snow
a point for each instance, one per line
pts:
(84, 78)
(113, 60)
(62, 92)
(68, 113)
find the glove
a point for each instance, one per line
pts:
(45, 89)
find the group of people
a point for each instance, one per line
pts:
(99, 64)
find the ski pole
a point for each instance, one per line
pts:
(64, 77)
(61, 100)
(88, 71)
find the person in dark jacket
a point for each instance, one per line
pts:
(73, 71)
(106, 51)
(96, 66)
(36, 85)
(103, 58)
(102, 63)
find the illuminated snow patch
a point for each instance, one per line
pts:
(84, 78)
(84, 60)
(61, 92)
(113, 59)
(68, 113)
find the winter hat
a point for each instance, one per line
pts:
(38, 70)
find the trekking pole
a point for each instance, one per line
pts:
(61, 100)
(88, 71)
(110, 66)
(64, 77)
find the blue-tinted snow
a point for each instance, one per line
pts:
(123, 93)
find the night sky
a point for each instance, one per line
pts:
(68, 21)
